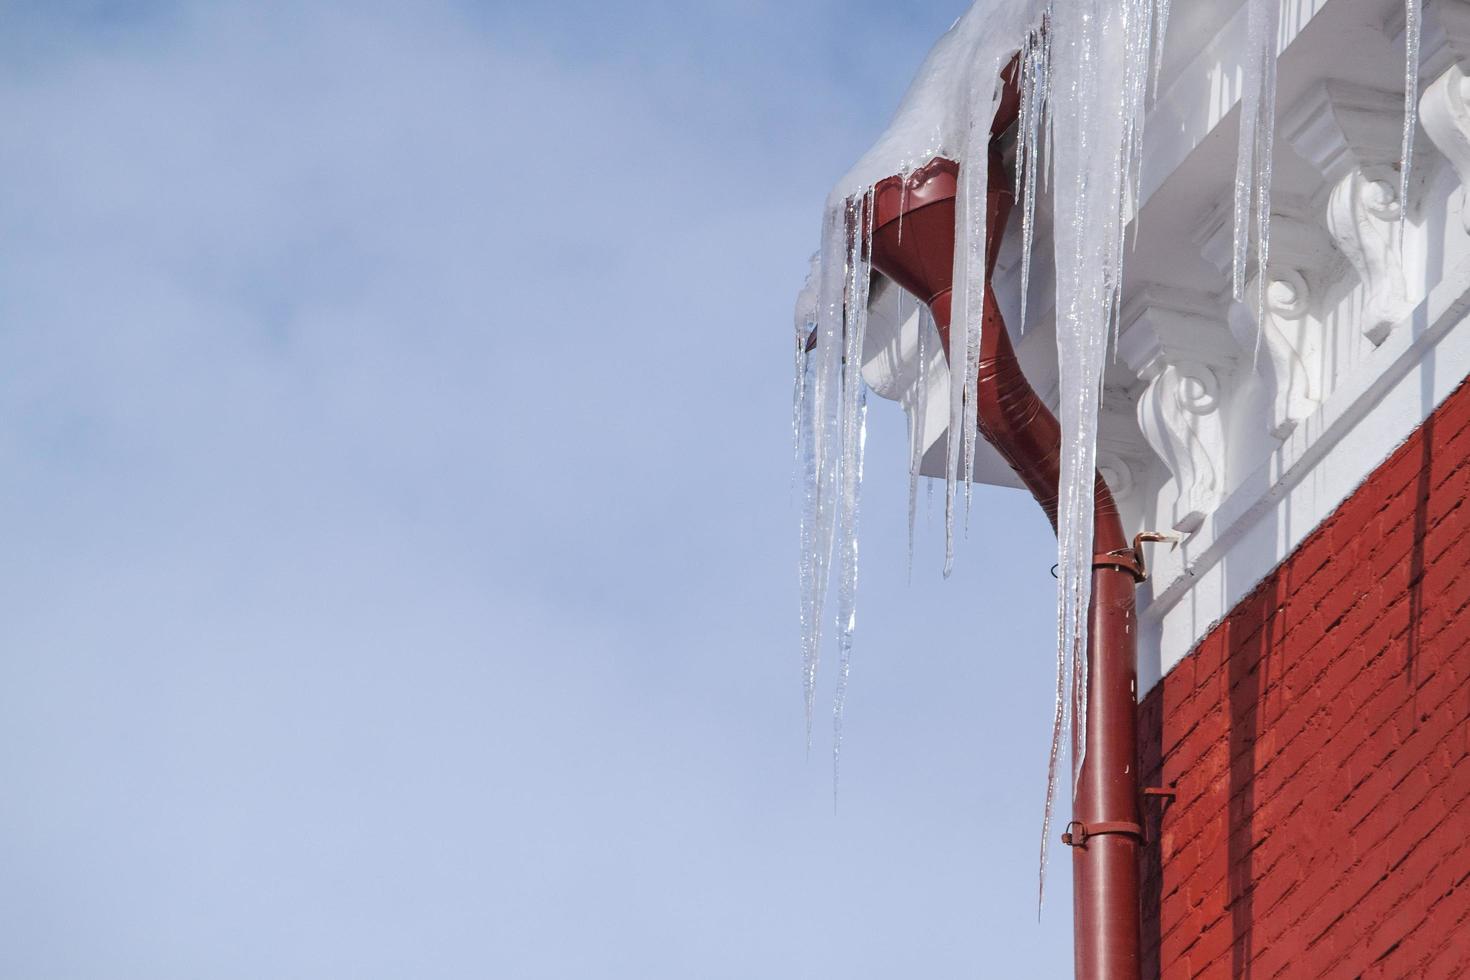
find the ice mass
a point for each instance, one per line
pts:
(1087, 70)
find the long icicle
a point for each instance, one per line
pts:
(1161, 29)
(806, 324)
(854, 437)
(1413, 28)
(958, 350)
(918, 417)
(819, 456)
(1098, 82)
(1034, 86)
(1253, 153)
(1265, 143)
(971, 230)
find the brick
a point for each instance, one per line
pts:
(1319, 737)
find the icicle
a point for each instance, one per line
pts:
(847, 597)
(1265, 140)
(947, 112)
(968, 298)
(1099, 69)
(1161, 28)
(1034, 82)
(806, 323)
(1412, 31)
(903, 203)
(957, 356)
(918, 421)
(1144, 38)
(819, 464)
(1049, 130)
(1253, 155)
(854, 436)
(1085, 79)
(972, 231)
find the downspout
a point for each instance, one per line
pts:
(1105, 833)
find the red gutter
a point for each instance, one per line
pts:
(1105, 832)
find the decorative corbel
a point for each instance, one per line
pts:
(1286, 345)
(1361, 214)
(1186, 358)
(1444, 111)
(1280, 336)
(1353, 136)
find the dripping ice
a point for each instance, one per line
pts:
(1093, 142)
(918, 412)
(939, 117)
(853, 422)
(819, 376)
(1087, 70)
(1254, 151)
(1413, 27)
(1099, 56)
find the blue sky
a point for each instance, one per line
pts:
(397, 511)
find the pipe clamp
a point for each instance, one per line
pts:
(1078, 837)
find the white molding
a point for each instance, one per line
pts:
(1339, 127)
(1274, 508)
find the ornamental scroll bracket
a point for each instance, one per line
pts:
(1281, 337)
(1185, 358)
(1353, 136)
(1445, 113)
(1444, 108)
(1287, 345)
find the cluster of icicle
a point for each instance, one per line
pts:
(1085, 78)
(1257, 126)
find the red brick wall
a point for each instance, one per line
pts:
(1319, 743)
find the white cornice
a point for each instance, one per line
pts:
(1243, 424)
